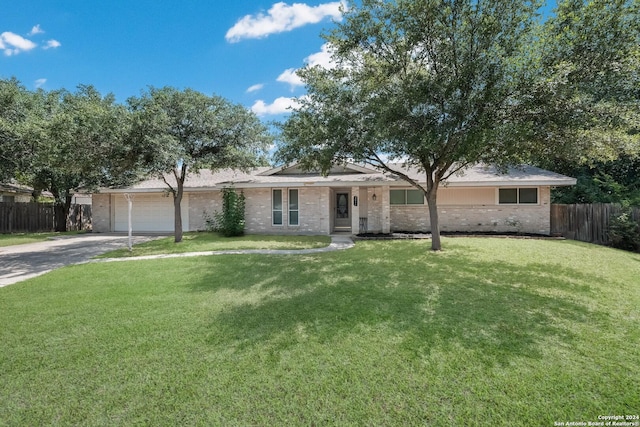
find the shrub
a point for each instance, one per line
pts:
(624, 231)
(230, 222)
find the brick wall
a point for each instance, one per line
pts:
(484, 218)
(199, 203)
(101, 213)
(313, 211)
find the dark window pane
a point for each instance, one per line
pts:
(277, 200)
(415, 197)
(277, 217)
(529, 195)
(508, 195)
(293, 200)
(293, 217)
(398, 197)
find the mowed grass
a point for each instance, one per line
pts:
(204, 242)
(487, 332)
(23, 238)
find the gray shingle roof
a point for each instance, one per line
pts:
(479, 175)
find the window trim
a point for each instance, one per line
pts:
(289, 210)
(518, 203)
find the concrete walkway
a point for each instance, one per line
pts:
(338, 242)
(22, 262)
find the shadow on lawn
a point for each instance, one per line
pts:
(431, 301)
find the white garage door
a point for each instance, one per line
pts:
(151, 212)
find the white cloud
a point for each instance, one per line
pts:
(281, 105)
(39, 83)
(36, 30)
(13, 44)
(255, 88)
(321, 59)
(289, 76)
(281, 17)
(52, 44)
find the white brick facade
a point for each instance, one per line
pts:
(488, 217)
(316, 208)
(467, 202)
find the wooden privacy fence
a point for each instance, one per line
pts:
(586, 222)
(40, 217)
(79, 218)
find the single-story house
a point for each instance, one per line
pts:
(351, 198)
(12, 192)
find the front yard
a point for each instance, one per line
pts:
(488, 332)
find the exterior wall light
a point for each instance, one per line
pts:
(374, 197)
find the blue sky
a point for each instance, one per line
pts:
(245, 51)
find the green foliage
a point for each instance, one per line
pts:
(442, 85)
(610, 181)
(230, 221)
(61, 141)
(15, 108)
(176, 133)
(624, 231)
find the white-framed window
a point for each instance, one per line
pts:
(276, 207)
(518, 196)
(294, 209)
(406, 197)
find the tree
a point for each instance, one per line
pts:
(439, 85)
(17, 106)
(180, 132)
(78, 138)
(61, 141)
(592, 57)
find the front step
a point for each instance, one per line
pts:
(342, 229)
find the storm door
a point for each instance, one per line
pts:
(342, 211)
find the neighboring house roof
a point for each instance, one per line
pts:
(348, 175)
(15, 188)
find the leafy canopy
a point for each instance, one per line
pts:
(444, 84)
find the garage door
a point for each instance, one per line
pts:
(151, 212)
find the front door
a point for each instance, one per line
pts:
(342, 211)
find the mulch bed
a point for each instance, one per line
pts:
(405, 235)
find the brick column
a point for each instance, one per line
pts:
(386, 210)
(355, 210)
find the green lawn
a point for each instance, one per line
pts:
(487, 332)
(203, 242)
(23, 238)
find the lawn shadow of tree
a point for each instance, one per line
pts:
(431, 301)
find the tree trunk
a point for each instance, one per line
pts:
(177, 199)
(61, 212)
(433, 218)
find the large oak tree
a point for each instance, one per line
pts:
(61, 141)
(444, 84)
(177, 132)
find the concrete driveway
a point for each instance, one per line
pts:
(21, 262)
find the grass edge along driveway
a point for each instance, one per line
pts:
(488, 332)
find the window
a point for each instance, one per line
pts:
(276, 207)
(406, 197)
(518, 196)
(293, 207)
